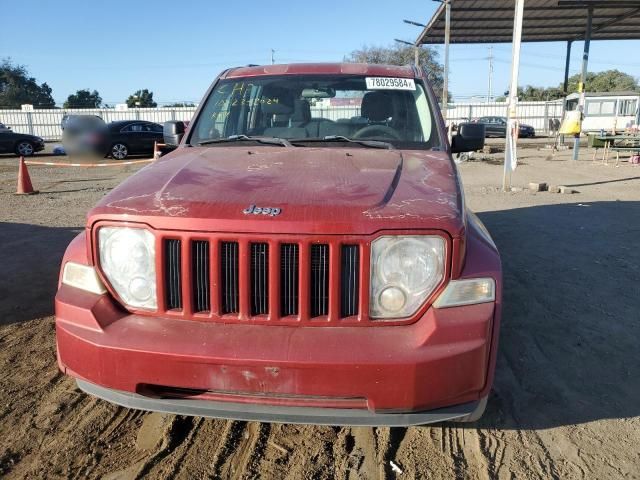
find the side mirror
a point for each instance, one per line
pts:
(173, 132)
(470, 137)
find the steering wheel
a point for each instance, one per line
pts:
(376, 131)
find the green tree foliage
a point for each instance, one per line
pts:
(83, 99)
(141, 99)
(18, 88)
(398, 54)
(607, 81)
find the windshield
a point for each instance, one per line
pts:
(312, 108)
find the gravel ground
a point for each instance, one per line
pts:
(566, 402)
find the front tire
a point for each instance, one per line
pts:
(119, 151)
(24, 149)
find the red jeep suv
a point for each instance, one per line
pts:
(304, 255)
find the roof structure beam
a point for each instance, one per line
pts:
(527, 20)
(610, 23)
(499, 32)
(531, 9)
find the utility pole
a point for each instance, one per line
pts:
(490, 94)
(273, 60)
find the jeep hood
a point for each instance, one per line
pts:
(318, 190)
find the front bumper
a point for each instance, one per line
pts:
(398, 375)
(279, 414)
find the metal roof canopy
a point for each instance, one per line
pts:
(496, 21)
(491, 21)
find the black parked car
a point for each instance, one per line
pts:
(497, 127)
(20, 143)
(130, 137)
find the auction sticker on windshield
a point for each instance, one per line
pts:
(390, 83)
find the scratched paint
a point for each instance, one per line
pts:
(328, 190)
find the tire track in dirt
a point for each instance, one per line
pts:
(221, 468)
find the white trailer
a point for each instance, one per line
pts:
(607, 111)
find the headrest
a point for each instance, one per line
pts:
(276, 108)
(376, 106)
(277, 101)
(301, 111)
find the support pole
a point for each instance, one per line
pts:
(447, 38)
(566, 68)
(510, 156)
(490, 92)
(416, 56)
(583, 79)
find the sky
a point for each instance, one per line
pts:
(176, 49)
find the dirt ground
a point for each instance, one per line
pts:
(566, 402)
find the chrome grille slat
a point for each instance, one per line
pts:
(289, 268)
(319, 288)
(259, 279)
(173, 277)
(200, 275)
(349, 280)
(229, 277)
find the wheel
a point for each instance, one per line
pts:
(24, 149)
(119, 151)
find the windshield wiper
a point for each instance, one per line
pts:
(341, 138)
(248, 138)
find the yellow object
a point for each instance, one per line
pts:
(572, 123)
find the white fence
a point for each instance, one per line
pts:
(46, 123)
(536, 114)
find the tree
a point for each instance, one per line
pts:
(397, 54)
(142, 99)
(83, 99)
(607, 81)
(18, 88)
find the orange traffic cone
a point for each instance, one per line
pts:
(24, 180)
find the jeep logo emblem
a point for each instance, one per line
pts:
(271, 211)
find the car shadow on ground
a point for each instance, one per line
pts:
(30, 260)
(571, 320)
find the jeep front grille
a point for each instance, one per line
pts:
(284, 281)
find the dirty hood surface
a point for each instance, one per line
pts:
(319, 190)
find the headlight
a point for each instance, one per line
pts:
(405, 270)
(127, 258)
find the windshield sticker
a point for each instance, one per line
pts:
(390, 83)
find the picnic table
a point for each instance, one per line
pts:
(628, 142)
